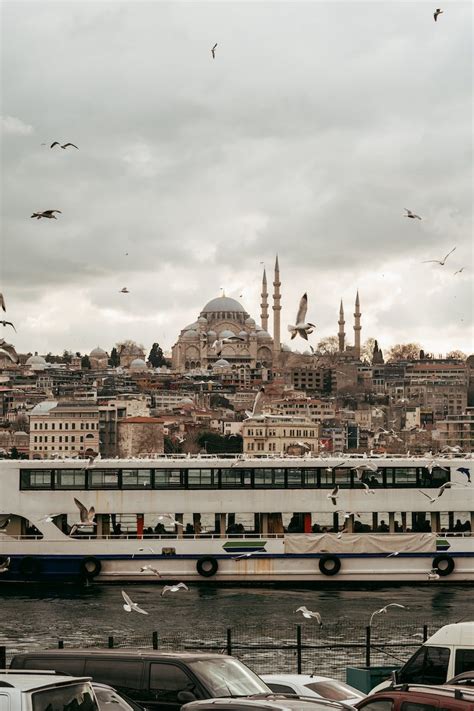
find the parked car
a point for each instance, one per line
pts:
(39, 690)
(155, 680)
(448, 652)
(312, 685)
(465, 679)
(268, 702)
(419, 697)
(106, 695)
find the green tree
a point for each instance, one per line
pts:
(215, 443)
(66, 357)
(156, 357)
(114, 359)
(85, 362)
(14, 453)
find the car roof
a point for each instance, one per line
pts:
(459, 633)
(122, 652)
(425, 690)
(23, 681)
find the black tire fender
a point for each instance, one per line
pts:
(30, 566)
(90, 567)
(207, 566)
(447, 569)
(329, 564)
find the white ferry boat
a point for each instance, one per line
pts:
(236, 519)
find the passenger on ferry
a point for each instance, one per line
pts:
(117, 530)
(383, 528)
(160, 529)
(189, 530)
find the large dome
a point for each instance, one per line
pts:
(223, 303)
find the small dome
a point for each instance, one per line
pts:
(212, 335)
(98, 353)
(243, 334)
(190, 335)
(258, 328)
(191, 326)
(285, 348)
(306, 352)
(36, 362)
(263, 335)
(222, 303)
(202, 319)
(226, 333)
(138, 363)
(249, 321)
(221, 363)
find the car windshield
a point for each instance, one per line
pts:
(106, 697)
(228, 677)
(73, 697)
(334, 690)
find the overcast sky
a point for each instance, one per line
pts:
(315, 125)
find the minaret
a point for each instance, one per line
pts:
(264, 304)
(357, 327)
(341, 335)
(276, 308)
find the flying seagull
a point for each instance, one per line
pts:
(46, 213)
(213, 51)
(367, 489)
(333, 495)
(437, 12)
(5, 565)
(130, 605)
(458, 271)
(448, 485)
(151, 569)
(394, 554)
(8, 323)
(140, 550)
(171, 519)
(383, 610)
(86, 516)
(2, 303)
(465, 470)
(442, 262)
(124, 290)
(219, 342)
(257, 404)
(9, 349)
(411, 214)
(174, 588)
(64, 145)
(432, 500)
(247, 555)
(309, 614)
(301, 328)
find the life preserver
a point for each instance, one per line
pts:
(448, 566)
(329, 565)
(90, 567)
(30, 566)
(207, 567)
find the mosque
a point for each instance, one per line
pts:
(224, 317)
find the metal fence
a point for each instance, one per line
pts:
(304, 648)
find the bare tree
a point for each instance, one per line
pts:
(457, 355)
(404, 351)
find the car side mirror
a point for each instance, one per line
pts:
(394, 677)
(185, 696)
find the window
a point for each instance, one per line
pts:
(70, 479)
(36, 479)
(201, 478)
(104, 479)
(293, 478)
(167, 680)
(327, 478)
(310, 477)
(427, 666)
(413, 706)
(231, 478)
(464, 661)
(227, 677)
(169, 479)
(269, 478)
(120, 673)
(73, 696)
(280, 688)
(136, 479)
(380, 705)
(332, 689)
(403, 476)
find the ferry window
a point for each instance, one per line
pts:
(201, 478)
(327, 478)
(103, 479)
(136, 479)
(293, 478)
(310, 477)
(439, 476)
(373, 479)
(231, 478)
(269, 478)
(70, 479)
(36, 479)
(344, 478)
(464, 661)
(169, 479)
(402, 476)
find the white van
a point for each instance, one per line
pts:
(448, 652)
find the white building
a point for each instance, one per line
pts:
(279, 435)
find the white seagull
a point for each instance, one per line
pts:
(383, 610)
(150, 569)
(442, 262)
(257, 404)
(46, 213)
(130, 605)
(87, 517)
(219, 342)
(301, 328)
(170, 518)
(247, 555)
(367, 489)
(411, 214)
(9, 349)
(141, 550)
(309, 614)
(5, 565)
(333, 495)
(174, 588)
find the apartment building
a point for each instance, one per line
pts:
(64, 429)
(280, 435)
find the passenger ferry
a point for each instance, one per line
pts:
(238, 519)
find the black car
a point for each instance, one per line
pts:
(155, 680)
(269, 702)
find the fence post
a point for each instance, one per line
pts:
(367, 646)
(155, 640)
(3, 657)
(60, 644)
(425, 633)
(298, 649)
(229, 641)
(111, 642)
